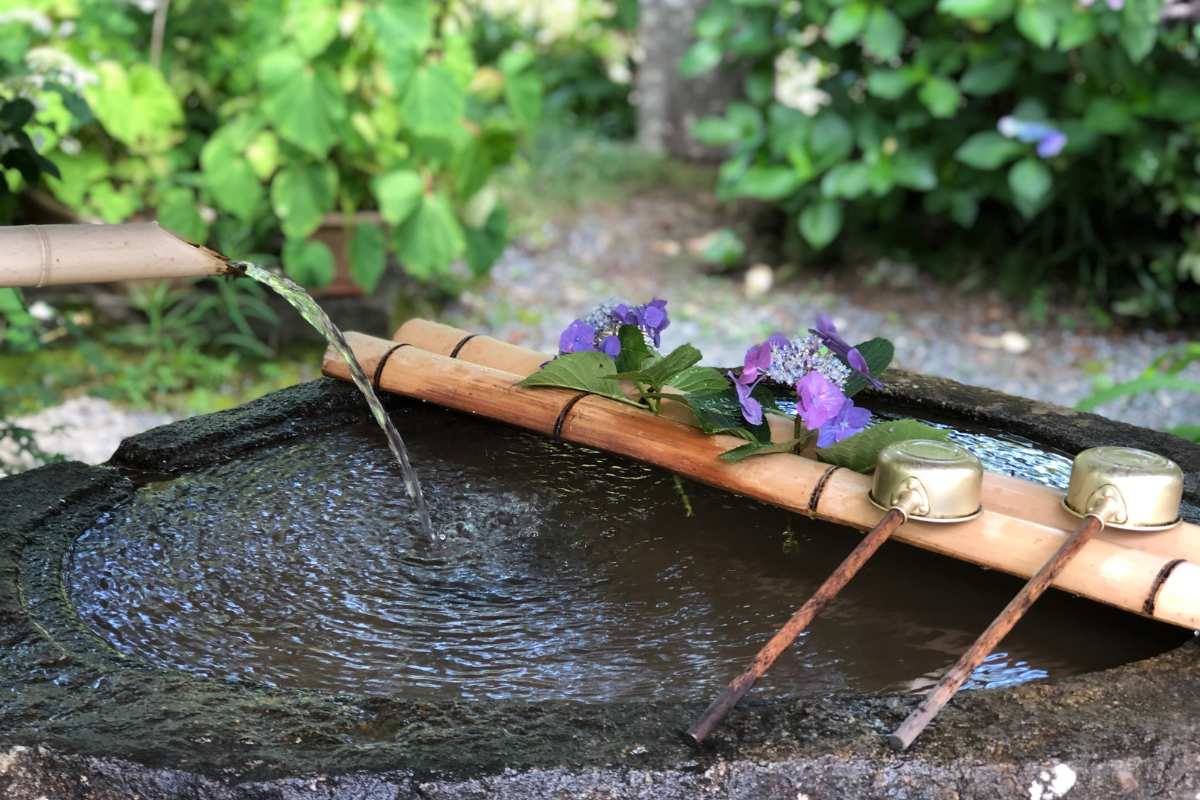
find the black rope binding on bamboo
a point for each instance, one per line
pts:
(562, 415)
(1159, 580)
(459, 346)
(816, 495)
(383, 361)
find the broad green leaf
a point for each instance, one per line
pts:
(878, 353)
(717, 19)
(229, 175)
(429, 239)
(847, 23)
(762, 448)
(1108, 115)
(661, 371)
(915, 170)
(399, 194)
(302, 195)
(485, 245)
(114, 205)
(433, 104)
(524, 95)
(136, 106)
(309, 264)
(368, 256)
(884, 34)
(723, 247)
(699, 380)
(1177, 100)
(177, 212)
(941, 96)
(989, 77)
(716, 131)
(517, 59)
(1076, 30)
(964, 208)
(262, 153)
(849, 180)
(634, 349)
(988, 150)
(587, 371)
(721, 412)
(1139, 28)
(831, 141)
(860, 451)
(821, 222)
(700, 58)
(1137, 386)
(892, 84)
(990, 10)
(1030, 181)
(1189, 432)
(312, 25)
(1037, 22)
(460, 58)
(302, 100)
(403, 25)
(768, 183)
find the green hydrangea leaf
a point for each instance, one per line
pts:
(847, 23)
(700, 380)
(987, 78)
(884, 34)
(820, 222)
(524, 95)
(1139, 28)
(1030, 181)
(1038, 22)
(228, 174)
(589, 371)
(399, 194)
(486, 244)
(634, 350)
(136, 106)
(941, 96)
(178, 213)
(434, 104)
(860, 451)
(878, 353)
(762, 448)
(660, 372)
(429, 239)
(702, 57)
(721, 412)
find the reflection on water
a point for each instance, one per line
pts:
(565, 574)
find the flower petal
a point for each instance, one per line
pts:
(819, 400)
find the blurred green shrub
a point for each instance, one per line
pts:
(264, 117)
(862, 114)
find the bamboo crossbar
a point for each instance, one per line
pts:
(1145, 583)
(1006, 494)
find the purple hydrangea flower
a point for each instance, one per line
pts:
(651, 318)
(849, 421)
(578, 337)
(840, 347)
(1050, 141)
(792, 360)
(751, 408)
(819, 400)
(758, 359)
(610, 346)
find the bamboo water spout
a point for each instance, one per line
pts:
(47, 255)
(1145, 583)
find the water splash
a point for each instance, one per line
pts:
(308, 308)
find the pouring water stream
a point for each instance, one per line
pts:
(308, 308)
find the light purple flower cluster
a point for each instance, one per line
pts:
(818, 377)
(598, 331)
(1050, 140)
(1115, 5)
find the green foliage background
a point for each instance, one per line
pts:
(905, 149)
(264, 117)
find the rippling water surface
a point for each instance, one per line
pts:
(565, 574)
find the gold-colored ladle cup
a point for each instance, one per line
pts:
(917, 479)
(1118, 487)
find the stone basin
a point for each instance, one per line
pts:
(78, 719)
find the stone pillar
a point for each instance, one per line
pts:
(667, 103)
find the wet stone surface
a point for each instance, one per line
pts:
(77, 719)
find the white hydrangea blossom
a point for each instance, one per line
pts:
(796, 82)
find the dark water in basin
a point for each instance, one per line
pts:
(565, 574)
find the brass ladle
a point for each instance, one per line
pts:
(917, 479)
(1119, 487)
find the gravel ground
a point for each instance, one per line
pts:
(642, 250)
(84, 429)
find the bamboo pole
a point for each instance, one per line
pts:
(950, 683)
(46, 255)
(1005, 494)
(803, 617)
(1135, 580)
